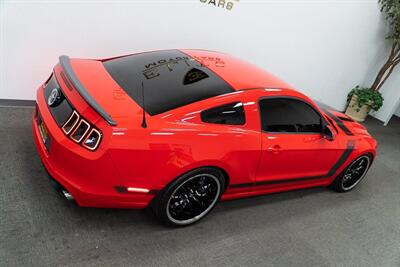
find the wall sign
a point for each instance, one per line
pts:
(225, 4)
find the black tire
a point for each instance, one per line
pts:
(181, 203)
(349, 178)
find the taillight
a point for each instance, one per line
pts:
(71, 122)
(78, 129)
(92, 140)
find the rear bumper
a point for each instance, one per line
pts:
(89, 176)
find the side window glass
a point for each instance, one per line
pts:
(232, 114)
(289, 115)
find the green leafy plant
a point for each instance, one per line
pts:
(391, 9)
(366, 96)
(371, 96)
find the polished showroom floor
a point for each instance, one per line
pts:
(313, 227)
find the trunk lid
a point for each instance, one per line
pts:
(99, 90)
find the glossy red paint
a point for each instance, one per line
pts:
(177, 141)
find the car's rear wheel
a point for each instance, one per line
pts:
(190, 197)
(353, 174)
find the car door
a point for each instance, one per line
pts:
(293, 146)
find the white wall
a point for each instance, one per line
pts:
(397, 113)
(323, 48)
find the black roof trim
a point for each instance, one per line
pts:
(171, 78)
(66, 65)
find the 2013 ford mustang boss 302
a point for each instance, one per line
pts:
(178, 130)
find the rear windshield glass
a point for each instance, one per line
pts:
(171, 79)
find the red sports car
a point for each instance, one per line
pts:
(178, 130)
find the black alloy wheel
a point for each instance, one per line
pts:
(353, 174)
(190, 198)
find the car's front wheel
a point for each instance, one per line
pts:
(352, 175)
(190, 197)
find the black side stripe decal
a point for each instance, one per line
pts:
(343, 158)
(338, 122)
(332, 171)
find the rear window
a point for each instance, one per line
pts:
(232, 114)
(171, 79)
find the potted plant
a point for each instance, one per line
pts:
(362, 100)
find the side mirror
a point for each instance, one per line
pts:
(328, 133)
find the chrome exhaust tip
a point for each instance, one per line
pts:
(67, 195)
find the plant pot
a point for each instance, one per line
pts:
(355, 112)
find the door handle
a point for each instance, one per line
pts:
(274, 149)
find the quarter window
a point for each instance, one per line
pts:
(289, 115)
(232, 114)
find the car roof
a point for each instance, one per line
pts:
(163, 80)
(239, 74)
(170, 79)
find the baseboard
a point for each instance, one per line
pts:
(17, 103)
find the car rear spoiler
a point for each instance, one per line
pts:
(66, 65)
